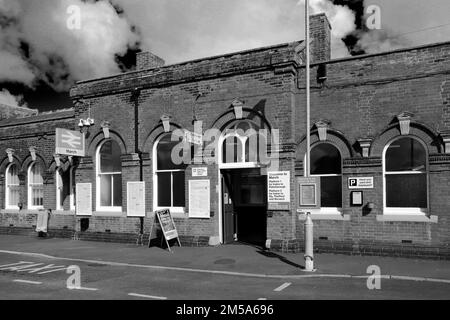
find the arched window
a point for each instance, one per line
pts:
(109, 176)
(62, 188)
(12, 195)
(405, 176)
(243, 144)
(326, 163)
(169, 182)
(35, 186)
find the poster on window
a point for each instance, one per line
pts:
(136, 199)
(199, 199)
(84, 199)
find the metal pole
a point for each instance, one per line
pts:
(308, 97)
(309, 256)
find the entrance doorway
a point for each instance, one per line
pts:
(244, 206)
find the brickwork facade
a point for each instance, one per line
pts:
(360, 100)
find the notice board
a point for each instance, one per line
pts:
(84, 199)
(136, 199)
(199, 199)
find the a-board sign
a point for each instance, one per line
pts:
(69, 142)
(308, 192)
(360, 183)
(167, 225)
(84, 199)
(135, 199)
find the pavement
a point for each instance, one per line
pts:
(226, 259)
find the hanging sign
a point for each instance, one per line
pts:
(70, 143)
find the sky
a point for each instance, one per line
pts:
(41, 57)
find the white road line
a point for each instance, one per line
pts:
(282, 287)
(82, 288)
(27, 281)
(146, 296)
(262, 299)
(228, 273)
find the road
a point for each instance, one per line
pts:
(41, 277)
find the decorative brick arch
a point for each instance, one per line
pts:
(155, 134)
(228, 117)
(99, 138)
(5, 163)
(418, 130)
(28, 161)
(334, 137)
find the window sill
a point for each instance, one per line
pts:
(325, 214)
(109, 214)
(407, 218)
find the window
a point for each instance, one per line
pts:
(326, 163)
(243, 144)
(35, 186)
(405, 176)
(109, 176)
(12, 187)
(62, 188)
(169, 177)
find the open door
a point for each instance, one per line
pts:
(228, 209)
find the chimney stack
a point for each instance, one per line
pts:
(320, 31)
(147, 60)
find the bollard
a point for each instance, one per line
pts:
(309, 253)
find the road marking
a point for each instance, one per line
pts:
(228, 273)
(27, 281)
(83, 288)
(282, 287)
(146, 296)
(262, 299)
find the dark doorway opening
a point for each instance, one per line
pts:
(244, 207)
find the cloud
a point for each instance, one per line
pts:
(7, 98)
(55, 53)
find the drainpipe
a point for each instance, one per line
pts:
(135, 96)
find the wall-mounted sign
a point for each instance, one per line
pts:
(84, 199)
(278, 187)
(199, 199)
(356, 198)
(136, 199)
(308, 191)
(200, 172)
(360, 183)
(70, 143)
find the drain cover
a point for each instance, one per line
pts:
(225, 261)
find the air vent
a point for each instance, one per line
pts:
(407, 241)
(323, 238)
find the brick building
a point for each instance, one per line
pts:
(383, 118)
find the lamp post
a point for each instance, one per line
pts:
(309, 253)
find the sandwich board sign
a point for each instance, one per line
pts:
(165, 221)
(69, 143)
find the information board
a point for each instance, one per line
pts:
(278, 187)
(199, 199)
(84, 199)
(308, 190)
(200, 172)
(360, 183)
(136, 199)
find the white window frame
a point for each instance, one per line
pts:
(180, 210)
(30, 185)
(405, 210)
(72, 188)
(98, 183)
(7, 189)
(241, 163)
(328, 210)
(59, 185)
